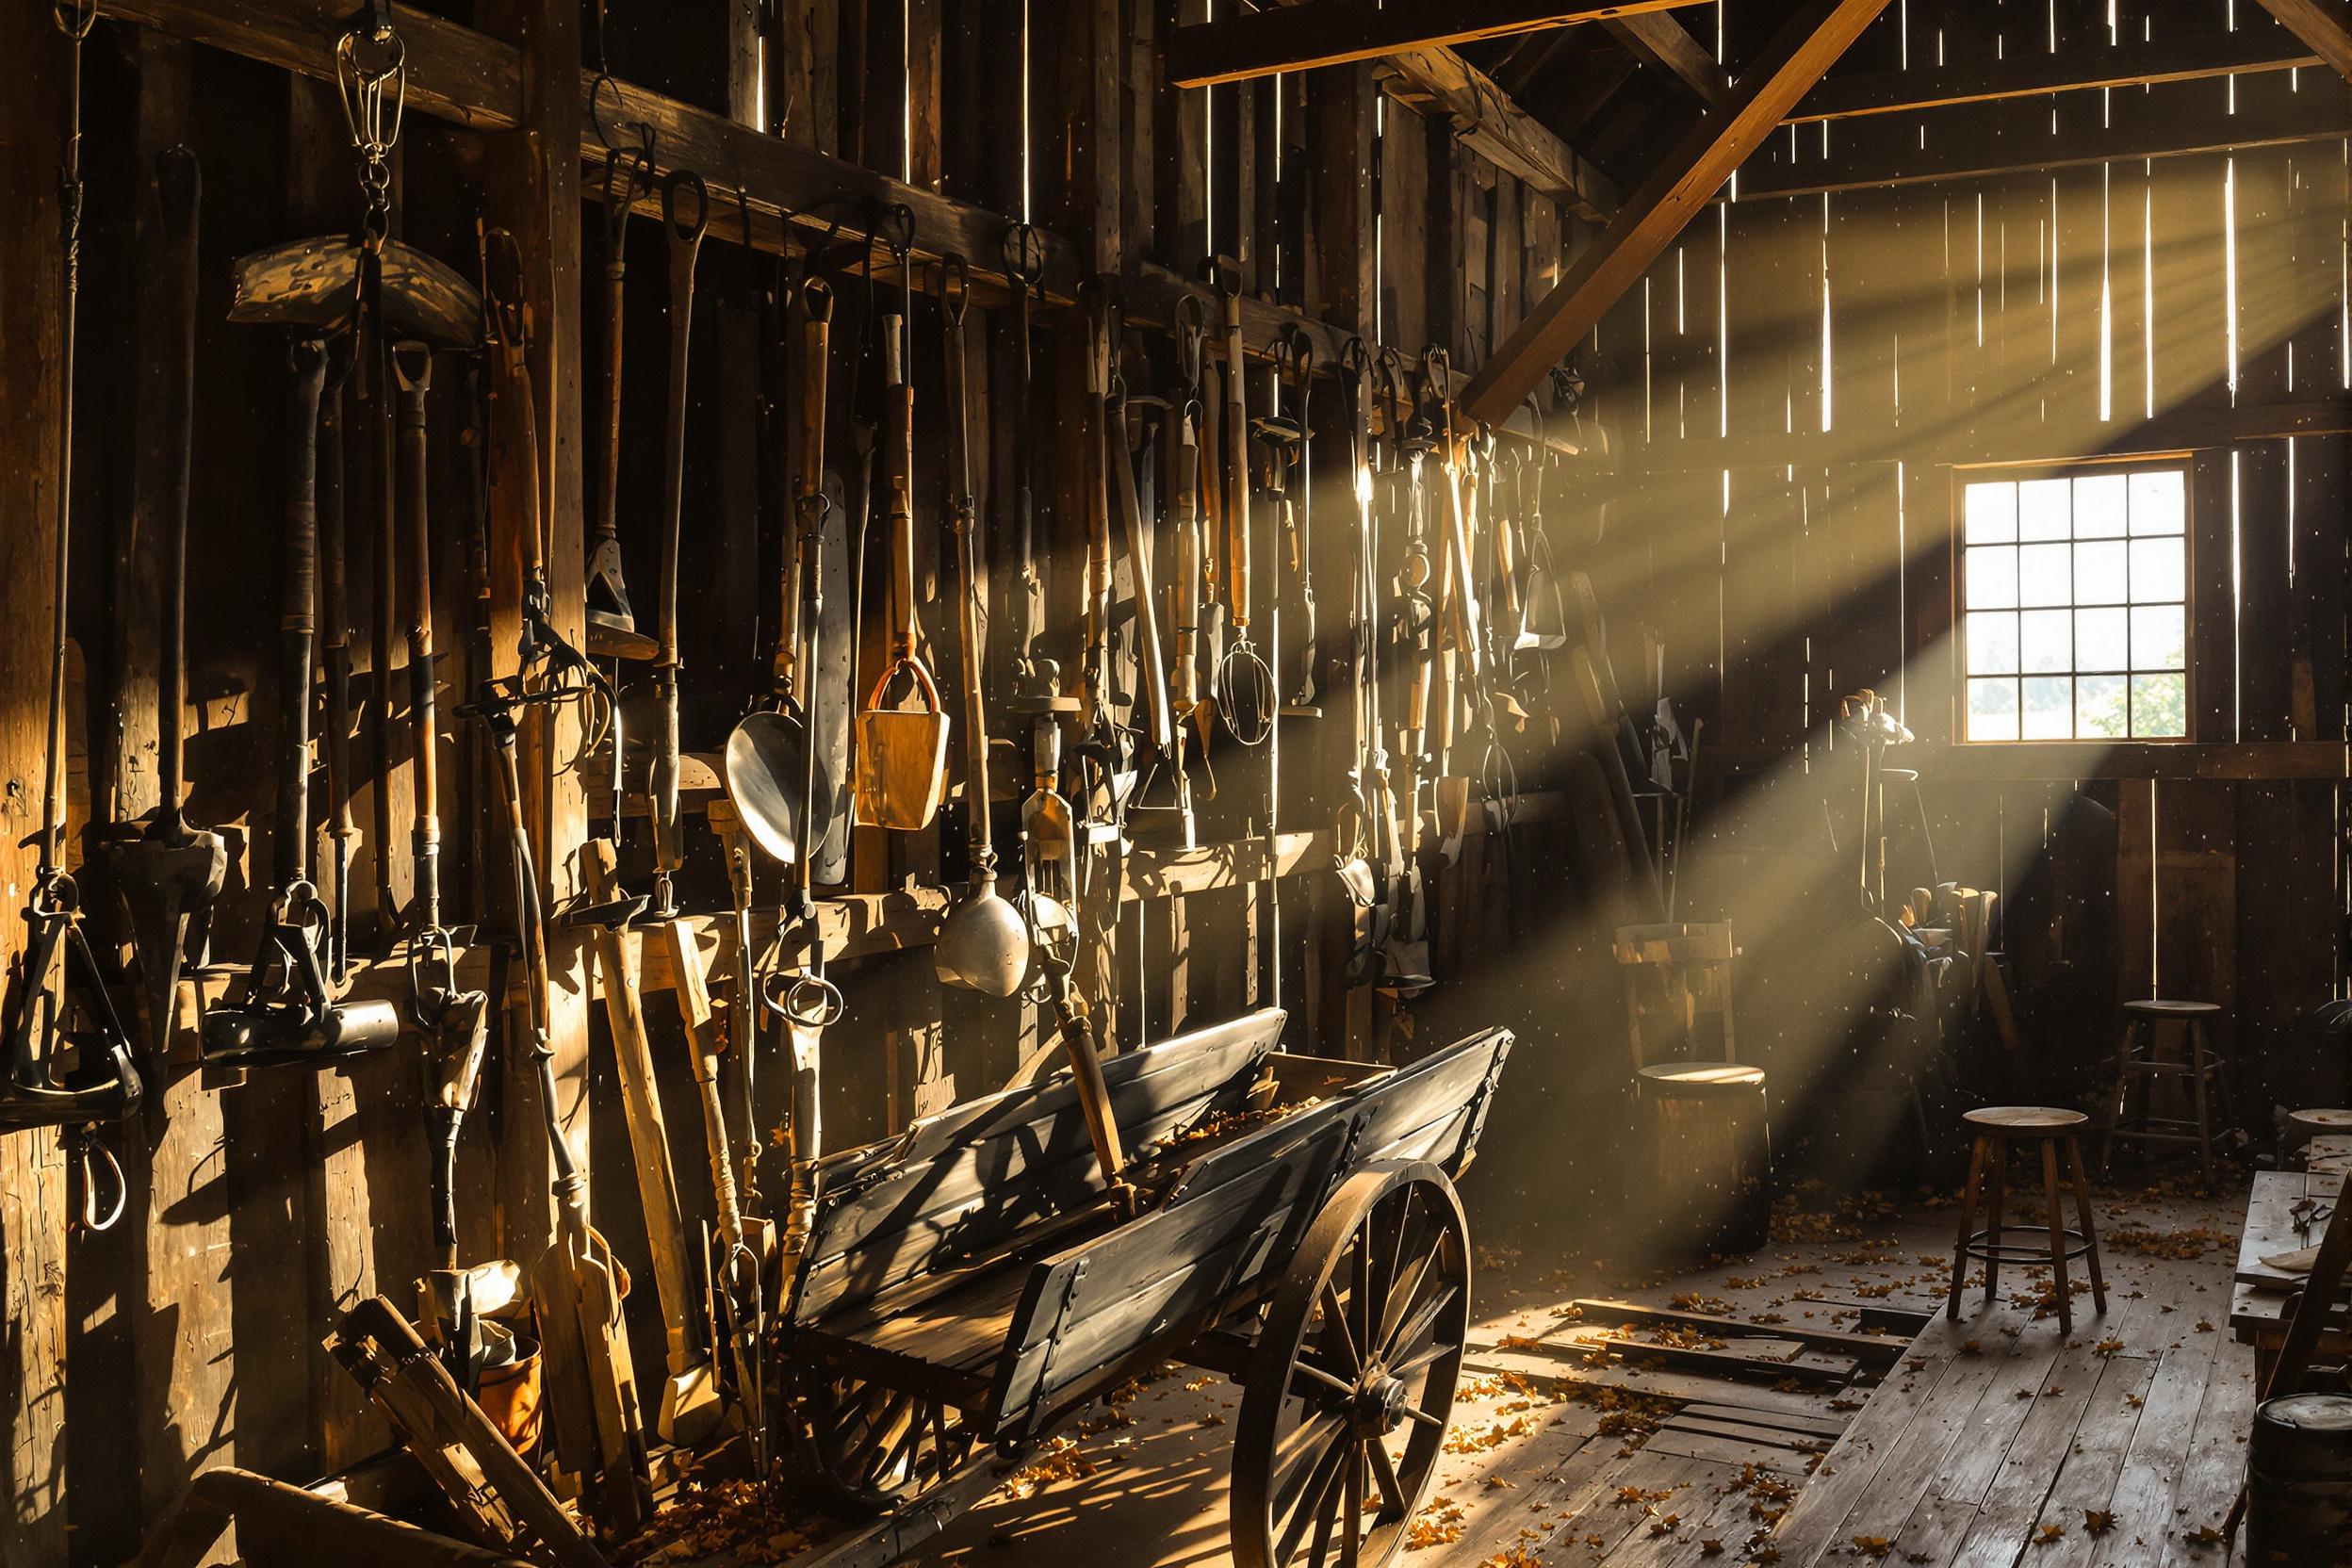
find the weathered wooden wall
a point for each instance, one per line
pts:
(1801, 382)
(189, 1335)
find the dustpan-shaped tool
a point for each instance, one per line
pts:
(902, 752)
(1542, 611)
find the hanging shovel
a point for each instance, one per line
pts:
(611, 623)
(983, 944)
(171, 873)
(1542, 611)
(902, 751)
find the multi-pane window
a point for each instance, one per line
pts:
(2075, 589)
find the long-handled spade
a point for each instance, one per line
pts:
(455, 1020)
(685, 244)
(983, 943)
(170, 874)
(612, 624)
(777, 790)
(575, 1284)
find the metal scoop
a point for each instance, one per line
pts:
(767, 765)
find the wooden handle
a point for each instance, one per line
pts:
(1152, 671)
(412, 364)
(807, 467)
(298, 620)
(694, 1002)
(1184, 601)
(1236, 478)
(641, 1109)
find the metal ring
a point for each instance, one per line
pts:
(89, 1154)
(686, 179)
(955, 286)
(803, 997)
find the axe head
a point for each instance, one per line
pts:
(312, 284)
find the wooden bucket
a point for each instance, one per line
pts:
(902, 754)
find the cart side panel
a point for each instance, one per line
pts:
(1159, 1280)
(1435, 1108)
(979, 1174)
(1432, 1109)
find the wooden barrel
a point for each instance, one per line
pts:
(2305, 1125)
(2299, 1481)
(1711, 1155)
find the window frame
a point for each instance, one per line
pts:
(1963, 475)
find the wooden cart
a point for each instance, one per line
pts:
(969, 1286)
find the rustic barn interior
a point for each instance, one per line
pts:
(789, 780)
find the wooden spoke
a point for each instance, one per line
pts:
(1307, 1447)
(1314, 1373)
(1410, 1335)
(1400, 1303)
(1394, 1503)
(1308, 1506)
(1336, 1326)
(1351, 1506)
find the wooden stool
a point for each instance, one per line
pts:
(1711, 1148)
(1997, 1127)
(2137, 1062)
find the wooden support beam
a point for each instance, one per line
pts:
(2324, 25)
(454, 72)
(2032, 76)
(1808, 43)
(1486, 121)
(1332, 32)
(472, 78)
(1966, 441)
(1656, 40)
(781, 179)
(2004, 137)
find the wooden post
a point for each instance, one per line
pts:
(32, 1167)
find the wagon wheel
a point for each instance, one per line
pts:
(863, 1445)
(1352, 1378)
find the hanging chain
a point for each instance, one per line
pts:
(371, 68)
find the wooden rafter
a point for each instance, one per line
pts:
(1982, 142)
(1807, 45)
(1487, 121)
(1659, 41)
(2324, 25)
(2031, 75)
(1332, 32)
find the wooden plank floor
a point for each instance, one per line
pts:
(2011, 1445)
(1985, 1433)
